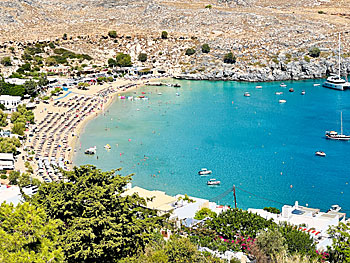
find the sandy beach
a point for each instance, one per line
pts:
(59, 121)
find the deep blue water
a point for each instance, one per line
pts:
(256, 143)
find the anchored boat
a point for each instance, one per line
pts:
(213, 182)
(204, 171)
(333, 135)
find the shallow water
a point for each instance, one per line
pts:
(256, 143)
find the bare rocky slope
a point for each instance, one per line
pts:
(269, 37)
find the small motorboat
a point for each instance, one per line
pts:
(291, 90)
(90, 151)
(258, 87)
(177, 94)
(246, 94)
(204, 171)
(143, 92)
(107, 146)
(278, 93)
(320, 153)
(282, 101)
(283, 85)
(315, 85)
(159, 93)
(303, 92)
(213, 182)
(334, 208)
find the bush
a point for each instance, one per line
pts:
(203, 213)
(272, 210)
(64, 36)
(205, 48)
(314, 52)
(208, 6)
(164, 35)
(112, 63)
(307, 59)
(321, 12)
(190, 51)
(142, 57)
(123, 60)
(3, 176)
(229, 58)
(6, 61)
(112, 34)
(52, 45)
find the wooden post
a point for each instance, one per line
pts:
(234, 195)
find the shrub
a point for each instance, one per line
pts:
(52, 45)
(272, 210)
(229, 58)
(123, 60)
(314, 52)
(112, 63)
(142, 57)
(164, 35)
(205, 48)
(208, 6)
(3, 176)
(190, 51)
(64, 36)
(112, 34)
(307, 59)
(6, 61)
(321, 12)
(203, 213)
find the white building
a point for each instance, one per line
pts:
(310, 220)
(7, 162)
(10, 102)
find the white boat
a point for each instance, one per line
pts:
(90, 151)
(177, 94)
(213, 182)
(204, 171)
(278, 93)
(282, 101)
(258, 87)
(320, 153)
(316, 85)
(283, 85)
(333, 135)
(303, 92)
(335, 81)
(107, 146)
(159, 93)
(334, 208)
(246, 94)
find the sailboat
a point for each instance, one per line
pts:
(333, 135)
(335, 81)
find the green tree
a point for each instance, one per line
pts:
(164, 35)
(6, 61)
(30, 87)
(297, 241)
(18, 128)
(229, 58)
(50, 61)
(65, 36)
(272, 210)
(101, 223)
(123, 60)
(190, 51)
(22, 115)
(112, 34)
(341, 243)
(2, 107)
(52, 45)
(203, 213)
(271, 242)
(28, 235)
(112, 63)
(314, 52)
(142, 57)
(9, 145)
(13, 177)
(3, 119)
(205, 48)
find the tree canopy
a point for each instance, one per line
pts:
(9, 145)
(314, 52)
(142, 57)
(3, 119)
(341, 243)
(112, 34)
(28, 235)
(123, 60)
(164, 35)
(101, 224)
(205, 48)
(229, 58)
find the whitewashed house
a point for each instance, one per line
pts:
(10, 102)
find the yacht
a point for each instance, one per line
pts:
(283, 85)
(333, 135)
(213, 182)
(320, 153)
(90, 151)
(335, 81)
(282, 101)
(258, 87)
(204, 171)
(246, 94)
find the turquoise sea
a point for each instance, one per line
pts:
(256, 143)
